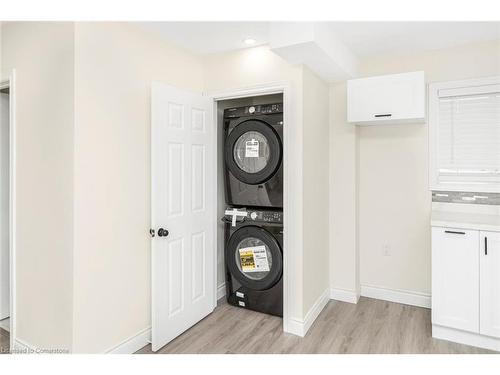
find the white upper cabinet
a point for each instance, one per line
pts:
(464, 135)
(394, 98)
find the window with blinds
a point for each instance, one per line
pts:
(469, 137)
(466, 128)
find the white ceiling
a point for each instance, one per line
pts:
(371, 38)
(362, 38)
(210, 37)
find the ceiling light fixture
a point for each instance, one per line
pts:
(249, 41)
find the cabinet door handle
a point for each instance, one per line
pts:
(485, 245)
(384, 115)
(453, 232)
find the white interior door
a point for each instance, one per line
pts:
(4, 208)
(183, 182)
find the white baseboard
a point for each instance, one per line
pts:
(300, 327)
(466, 338)
(221, 291)
(133, 343)
(315, 310)
(142, 338)
(344, 295)
(399, 296)
(294, 326)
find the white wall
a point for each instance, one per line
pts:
(42, 54)
(394, 200)
(344, 252)
(114, 66)
(316, 187)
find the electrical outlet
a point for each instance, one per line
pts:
(386, 250)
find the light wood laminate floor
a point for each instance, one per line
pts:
(371, 326)
(4, 341)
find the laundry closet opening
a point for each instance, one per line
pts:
(250, 247)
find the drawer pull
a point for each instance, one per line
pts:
(384, 115)
(453, 232)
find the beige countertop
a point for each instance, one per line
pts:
(466, 220)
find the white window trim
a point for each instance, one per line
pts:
(433, 120)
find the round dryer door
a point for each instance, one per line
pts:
(253, 152)
(254, 258)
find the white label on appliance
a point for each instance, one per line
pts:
(241, 303)
(252, 149)
(254, 259)
(239, 294)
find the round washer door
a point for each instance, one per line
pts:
(254, 258)
(253, 152)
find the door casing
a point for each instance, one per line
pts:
(10, 82)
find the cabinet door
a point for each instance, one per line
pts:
(386, 98)
(490, 283)
(455, 278)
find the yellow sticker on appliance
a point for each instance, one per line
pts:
(254, 259)
(252, 149)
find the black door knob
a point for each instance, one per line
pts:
(162, 232)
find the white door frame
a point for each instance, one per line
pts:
(10, 82)
(258, 90)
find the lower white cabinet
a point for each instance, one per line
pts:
(466, 286)
(490, 284)
(455, 278)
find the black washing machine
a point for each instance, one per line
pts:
(253, 155)
(254, 261)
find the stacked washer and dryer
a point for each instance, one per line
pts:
(253, 168)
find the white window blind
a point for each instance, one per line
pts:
(469, 135)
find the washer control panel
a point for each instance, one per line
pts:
(265, 216)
